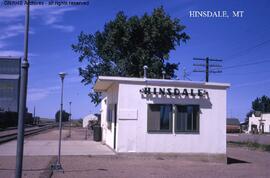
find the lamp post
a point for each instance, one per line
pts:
(22, 101)
(70, 119)
(57, 165)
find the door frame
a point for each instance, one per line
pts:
(115, 126)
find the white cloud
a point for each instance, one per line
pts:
(2, 44)
(65, 28)
(11, 21)
(248, 84)
(8, 14)
(50, 15)
(11, 31)
(36, 94)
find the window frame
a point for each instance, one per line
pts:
(197, 131)
(170, 130)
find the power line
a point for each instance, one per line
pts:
(245, 51)
(247, 64)
(209, 68)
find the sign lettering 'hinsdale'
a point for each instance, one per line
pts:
(174, 92)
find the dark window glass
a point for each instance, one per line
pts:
(187, 118)
(159, 117)
(110, 115)
(9, 66)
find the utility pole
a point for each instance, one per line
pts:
(23, 96)
(70, 119)
(35, 121)
(34, 111)
(208, 67)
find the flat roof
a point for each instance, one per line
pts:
(9, 76)
(103, 83)
(10, 57)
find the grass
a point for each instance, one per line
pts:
(253, 145)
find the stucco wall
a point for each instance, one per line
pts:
(111, 97)
(132, 133)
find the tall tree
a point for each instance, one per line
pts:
(127, 44)
(261, 104)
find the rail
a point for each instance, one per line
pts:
(31, 131)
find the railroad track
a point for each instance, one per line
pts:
(12, 136)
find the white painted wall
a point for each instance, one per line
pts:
(255, 120)
(132, 133)
(111, 97)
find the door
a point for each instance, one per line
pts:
(115, 125)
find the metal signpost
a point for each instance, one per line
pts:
(23, 95)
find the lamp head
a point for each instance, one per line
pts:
(62, 75)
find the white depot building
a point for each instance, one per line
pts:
(259, 123)
(163, 116)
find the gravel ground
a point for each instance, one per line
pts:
(53, 134)
(262, 139)
(33, 166)
(243, 162)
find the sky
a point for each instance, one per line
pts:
(242, 43)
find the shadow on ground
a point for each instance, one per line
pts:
(235, 161)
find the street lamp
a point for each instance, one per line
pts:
(57, 165)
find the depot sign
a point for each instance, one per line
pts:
(174, 92)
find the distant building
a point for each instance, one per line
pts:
(233, 125)
(259, 123)
(88, 118)
(244, 126)
(9, 83)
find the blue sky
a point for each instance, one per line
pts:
(242, 43)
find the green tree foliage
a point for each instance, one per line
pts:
(65, 116)
(261, 104)
(127, 44)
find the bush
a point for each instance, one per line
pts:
(65, 116)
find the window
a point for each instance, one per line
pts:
(110, 116)
(159, 118)
(187, 118)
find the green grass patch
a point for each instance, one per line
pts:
(252, 145)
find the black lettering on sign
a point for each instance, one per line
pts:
(162, 91)
(169, 91)
(185, 92)
(176, 92)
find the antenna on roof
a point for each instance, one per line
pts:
(145, 71)
(163, 74)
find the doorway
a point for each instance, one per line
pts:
(115, 126)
